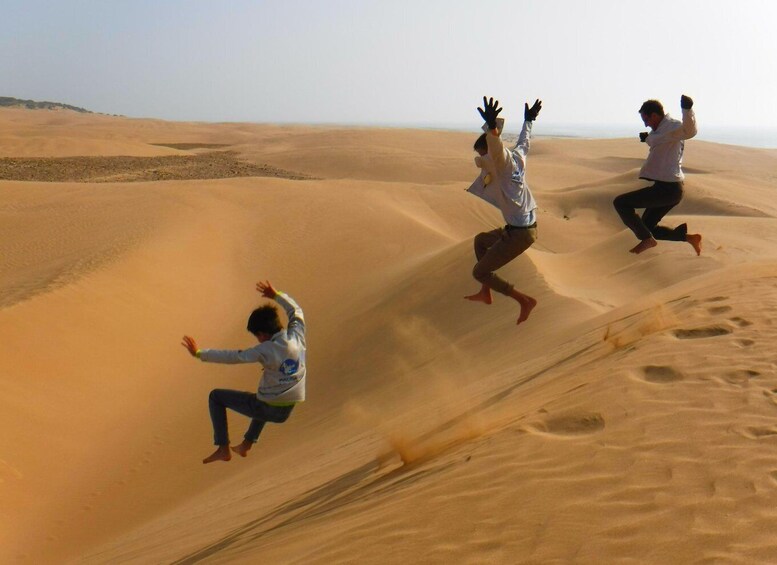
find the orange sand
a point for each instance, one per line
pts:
(632, 418)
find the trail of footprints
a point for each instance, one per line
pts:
(664, 374)
(738, 377)
(719, 329)
(582, 423)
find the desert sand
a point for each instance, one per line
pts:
(631, 419)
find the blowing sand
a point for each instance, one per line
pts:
(631, 419)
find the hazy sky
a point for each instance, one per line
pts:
(403, 62)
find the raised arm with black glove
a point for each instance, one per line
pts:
(530, 114)
(490, 113)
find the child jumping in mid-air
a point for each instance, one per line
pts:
(282, 354)
(501, 183)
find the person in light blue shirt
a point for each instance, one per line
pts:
(281, 352)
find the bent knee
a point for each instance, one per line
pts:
(480, 274)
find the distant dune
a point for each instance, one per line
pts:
(7, 101)
(632, 418)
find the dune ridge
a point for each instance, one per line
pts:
(628, 420)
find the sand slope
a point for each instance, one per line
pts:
(631, 419)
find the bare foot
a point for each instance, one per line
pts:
(527, 304)
(221, 454)
(243, 448)
(484, 295)
(643, 245)
(695, 240)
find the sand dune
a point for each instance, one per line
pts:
(630, 419)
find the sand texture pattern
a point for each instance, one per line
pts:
(631, 419)
(212, 165)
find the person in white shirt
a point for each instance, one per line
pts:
(501, 183)
(282, 354)
(663, 167)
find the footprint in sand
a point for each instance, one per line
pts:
(741, 322)
(759, 432)
(771, 395)
(717, 299)
(745, 342)
(572, 424)
(740, 376)
(661, 374)
(719, 309)
(698, 333)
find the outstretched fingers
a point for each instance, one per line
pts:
(189, 344)
(266, 288)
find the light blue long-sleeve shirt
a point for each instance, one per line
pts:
(282, 356)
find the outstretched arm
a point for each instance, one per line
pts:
(529, 115)
(496, 149)
(689, 119)
(255, 354)
(292, 309)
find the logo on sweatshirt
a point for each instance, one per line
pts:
(289, 366)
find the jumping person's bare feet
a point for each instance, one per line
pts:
(527, 304)
(221, 454)
(484, 295)
(643, 245)
(695, 240)
(243, 448)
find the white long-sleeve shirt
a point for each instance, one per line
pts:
(667, 142)
(501, 181)
(282, 356)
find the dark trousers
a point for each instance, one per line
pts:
(495, 249)
(657, 200)
(244, 403)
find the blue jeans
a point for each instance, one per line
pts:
(247, 404)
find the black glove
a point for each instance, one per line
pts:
(686, 102)
(490, 113)
(530, 114)
(643, 136)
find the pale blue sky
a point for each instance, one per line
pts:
(401, 62)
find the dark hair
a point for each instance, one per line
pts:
(264, 320)
(652, 107)
(481, 143)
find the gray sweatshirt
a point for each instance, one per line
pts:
(501, 181)
(282, 356)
